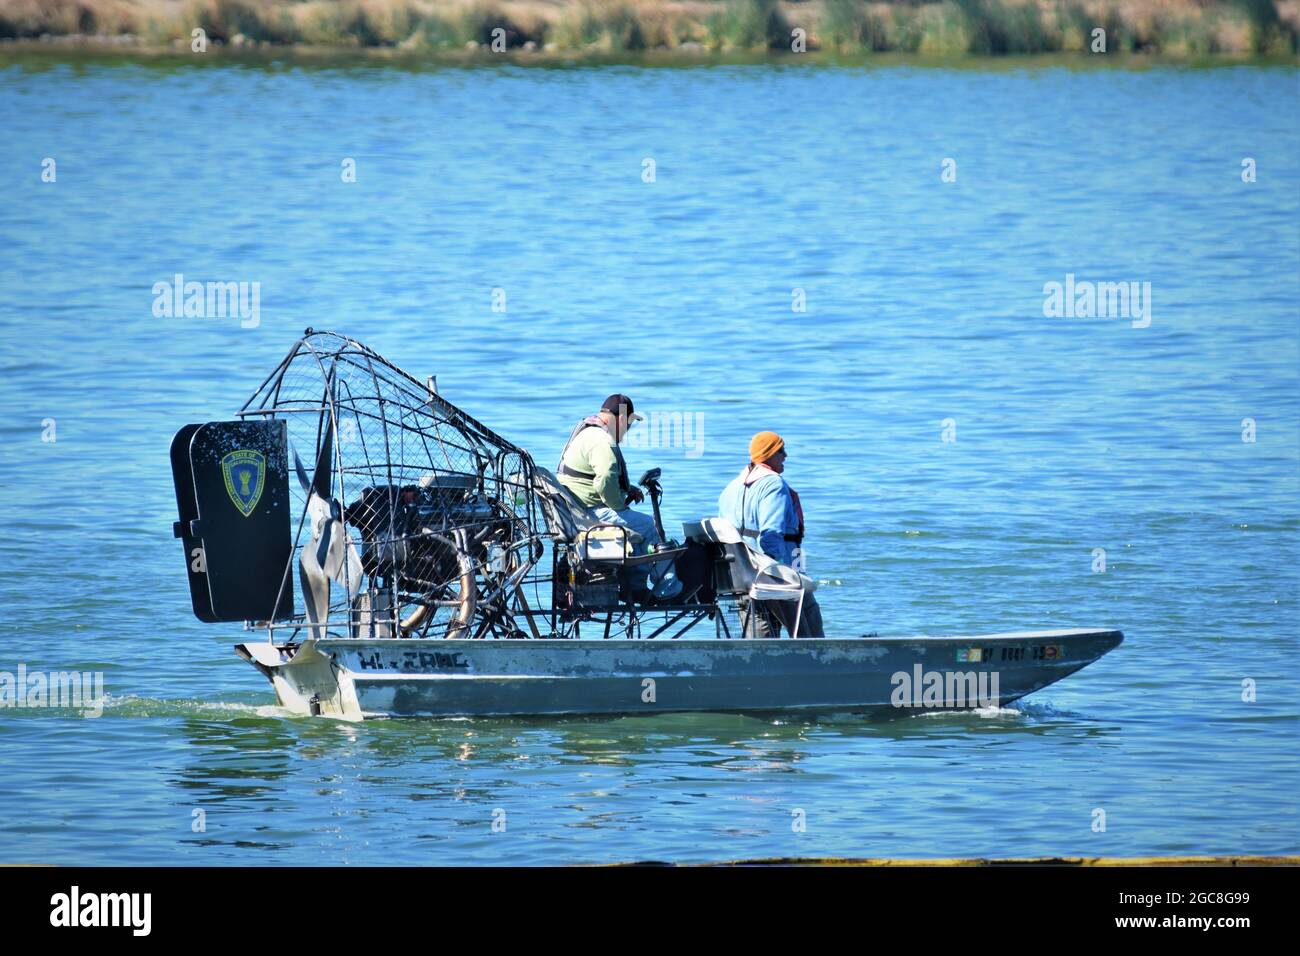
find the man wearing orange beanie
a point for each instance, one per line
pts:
(766, 511)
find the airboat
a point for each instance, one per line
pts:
(398, 558)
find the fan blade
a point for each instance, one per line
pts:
(315, 592)
(302, 472)
(312, 572)
(318, 510)
(322, 478)
(339, 558)
(331, 550)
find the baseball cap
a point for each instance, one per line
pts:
(617, 401)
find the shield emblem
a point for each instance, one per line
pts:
(245, 475)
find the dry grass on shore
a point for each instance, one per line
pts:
(926, 27)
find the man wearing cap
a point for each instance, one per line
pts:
(766, 511)
(592, 467)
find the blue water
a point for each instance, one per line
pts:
(924, 303)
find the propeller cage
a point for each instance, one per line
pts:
(410, 517)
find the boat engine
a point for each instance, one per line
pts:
(431, 542)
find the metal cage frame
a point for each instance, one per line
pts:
(458, 548)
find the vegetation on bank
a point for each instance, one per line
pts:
(926, 27)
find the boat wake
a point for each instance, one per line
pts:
(132, 705)
(1022, 710)
(1046, 710)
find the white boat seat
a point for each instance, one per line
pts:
(755, 574)
(566, 516)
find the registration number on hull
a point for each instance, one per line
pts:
(1030, 652)
(407, 661)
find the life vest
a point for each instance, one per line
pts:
(797, 537)
(593, 421)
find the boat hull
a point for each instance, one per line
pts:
(356, 679)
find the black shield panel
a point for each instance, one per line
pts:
(240, 479)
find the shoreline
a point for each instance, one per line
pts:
(116, 49)
(684, 31)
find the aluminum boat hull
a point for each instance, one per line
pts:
(355, 679)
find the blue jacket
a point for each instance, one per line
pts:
(767, 506)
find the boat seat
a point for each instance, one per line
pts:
(752, 573)
(566, 517)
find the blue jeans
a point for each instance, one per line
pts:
(662, 579)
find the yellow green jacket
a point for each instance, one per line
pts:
(593, 451)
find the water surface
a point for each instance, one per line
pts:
(924, 303)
